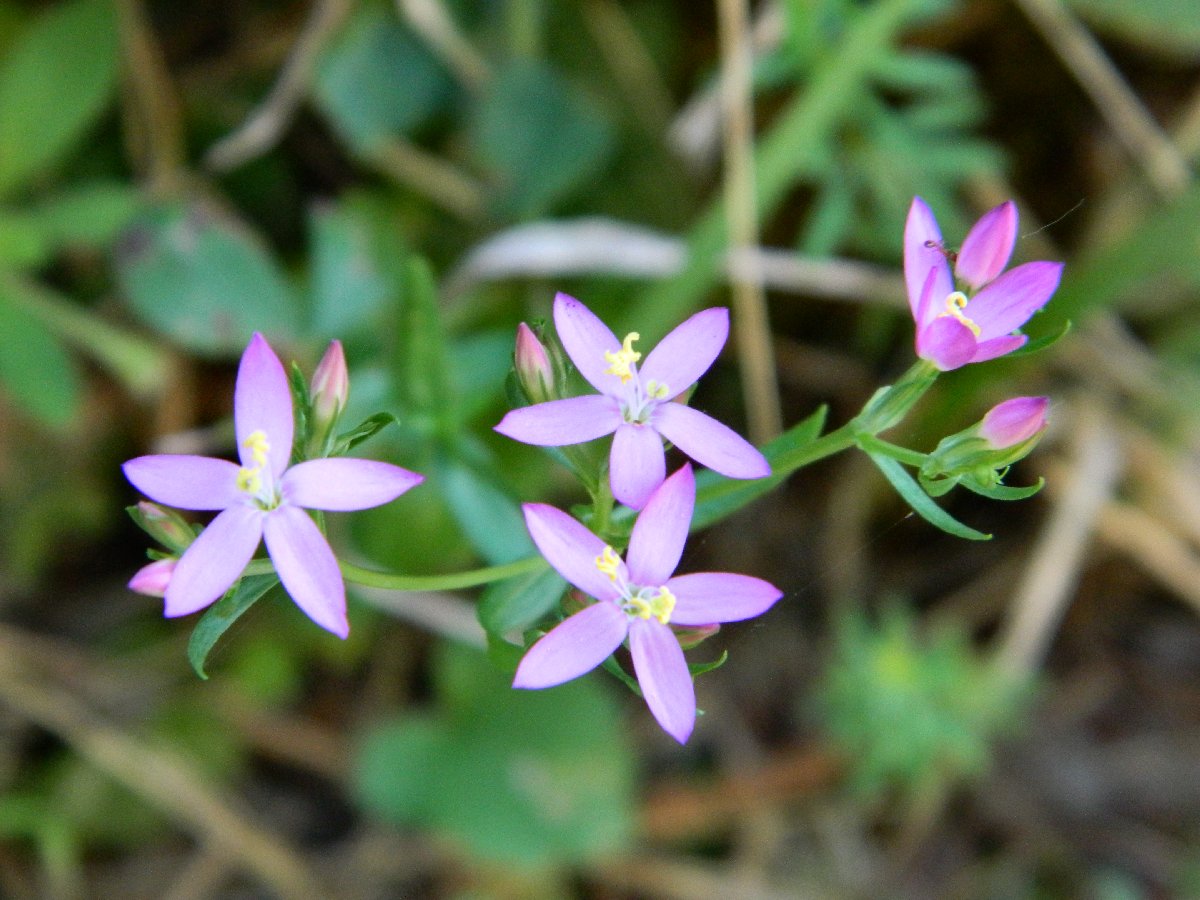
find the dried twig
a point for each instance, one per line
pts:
(1053, 571)
(756, 357)
(266, 124)
(431, 20)
(1129, 119)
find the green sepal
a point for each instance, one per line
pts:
(697, 669)
(366, 429)
(921, 502)
(1037, 345)
(1004, 491)
(222, 614)
(302, 404)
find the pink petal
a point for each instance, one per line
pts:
(344, 483)
(923, 252)
(262, 401)
(988, 246)
(185, 482)
(663, 675)
(1013, 421)
(946, 342)
(214, 560)
(706, 597)
(307, 567)
(659, 533)
(998, 347)
(576, 645)
(571, 549)
(586, 339)
(687, 352)
(637, 464)
(558, 422)
(1007, 303)
(709, 442)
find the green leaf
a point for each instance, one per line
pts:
(920, 502)
(527, 778)
(539, 138)
(222, 614)
(424, 377)
(517, 603)
(364, 430)
(378, 80)
(54, 82)
(34, 367)
(348, 289)
(204, 281)
(718, 496)
(88, 214)
(697, 669)
(488, 516)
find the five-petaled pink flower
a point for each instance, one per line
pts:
(974, 323)
(264, 499)
(638, 598)
(634, 404)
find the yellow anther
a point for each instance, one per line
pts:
(250, 480)
(656, 390)
(657, 606)
(619, 363)
(608, 562)
(259, 447)
(955, 304)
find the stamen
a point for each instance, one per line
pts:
(608, 562)
(250, 480)
(259, 447)
(658, 605)
(656, 390)
(955, 304)
(619, 363)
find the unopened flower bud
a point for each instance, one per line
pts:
(330, 390)
(694, 635)
(152, 579)
(1014, 421)
(164, 525)
(534, 369)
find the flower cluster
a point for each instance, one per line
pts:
(263, 498)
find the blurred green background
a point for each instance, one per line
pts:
(919, 717)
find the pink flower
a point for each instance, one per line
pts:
(264, 499)
(638, 599)
(153, 578)
(634, 404)
(1014, 421)
(976, 323)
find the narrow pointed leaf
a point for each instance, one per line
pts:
(921, 502)
(222, 614)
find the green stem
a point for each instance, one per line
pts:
(449, 582)
(870, 443)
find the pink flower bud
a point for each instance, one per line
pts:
(534, 369)
(152, 579)
(164, 525)
(1014, 421)
(330, 388)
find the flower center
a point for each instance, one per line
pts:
(250, 479)
(636, 602)
(621, 362)
(956, 302)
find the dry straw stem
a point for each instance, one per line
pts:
(156, 775)
(152, 121)
(1129, 119)
(632, 65)
(431, 20)
(435, 178)
(752, 330)
(1094, 468)
(266, 124)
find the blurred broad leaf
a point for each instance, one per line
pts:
(378, 81)
(524, 777)
(517, 603)
(204, 281)
(34, 367)
(54, 81)
(538, 137)
(488, 516)
(348, 289)
(89, 214)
